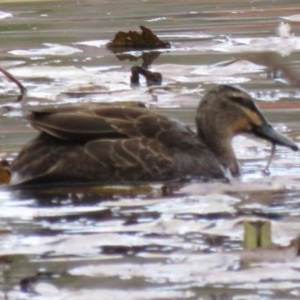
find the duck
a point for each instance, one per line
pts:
(114, 144)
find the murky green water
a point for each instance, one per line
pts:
(143, 242)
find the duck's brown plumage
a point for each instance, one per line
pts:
(120, 144)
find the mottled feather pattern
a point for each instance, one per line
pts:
(113, 144)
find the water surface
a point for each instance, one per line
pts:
(151, 241)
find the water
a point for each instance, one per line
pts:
(150, 241)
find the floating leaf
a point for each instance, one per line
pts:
(257, 234)
(135, 40)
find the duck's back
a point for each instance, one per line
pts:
(111, 145)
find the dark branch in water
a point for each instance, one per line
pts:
(17, 82)
(152, 78)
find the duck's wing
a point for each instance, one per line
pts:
(136, 159)
(45, 160)
(85, 124)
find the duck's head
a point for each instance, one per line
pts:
(226, 111)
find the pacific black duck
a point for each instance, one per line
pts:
(121, 144)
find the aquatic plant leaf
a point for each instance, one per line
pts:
(257, 234)
(135, 40)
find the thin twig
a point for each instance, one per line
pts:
(17, 82)
(273, 150)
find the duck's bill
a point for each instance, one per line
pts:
(267, 132)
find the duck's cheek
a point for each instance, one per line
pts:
(240, 125)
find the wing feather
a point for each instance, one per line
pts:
(135, 159)
(95, 122)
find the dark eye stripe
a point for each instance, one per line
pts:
(249, 104)
(244, 102)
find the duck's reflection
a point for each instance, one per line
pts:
(147, 57)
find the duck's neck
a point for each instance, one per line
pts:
(221, 146)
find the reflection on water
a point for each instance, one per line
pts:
(159, 241)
